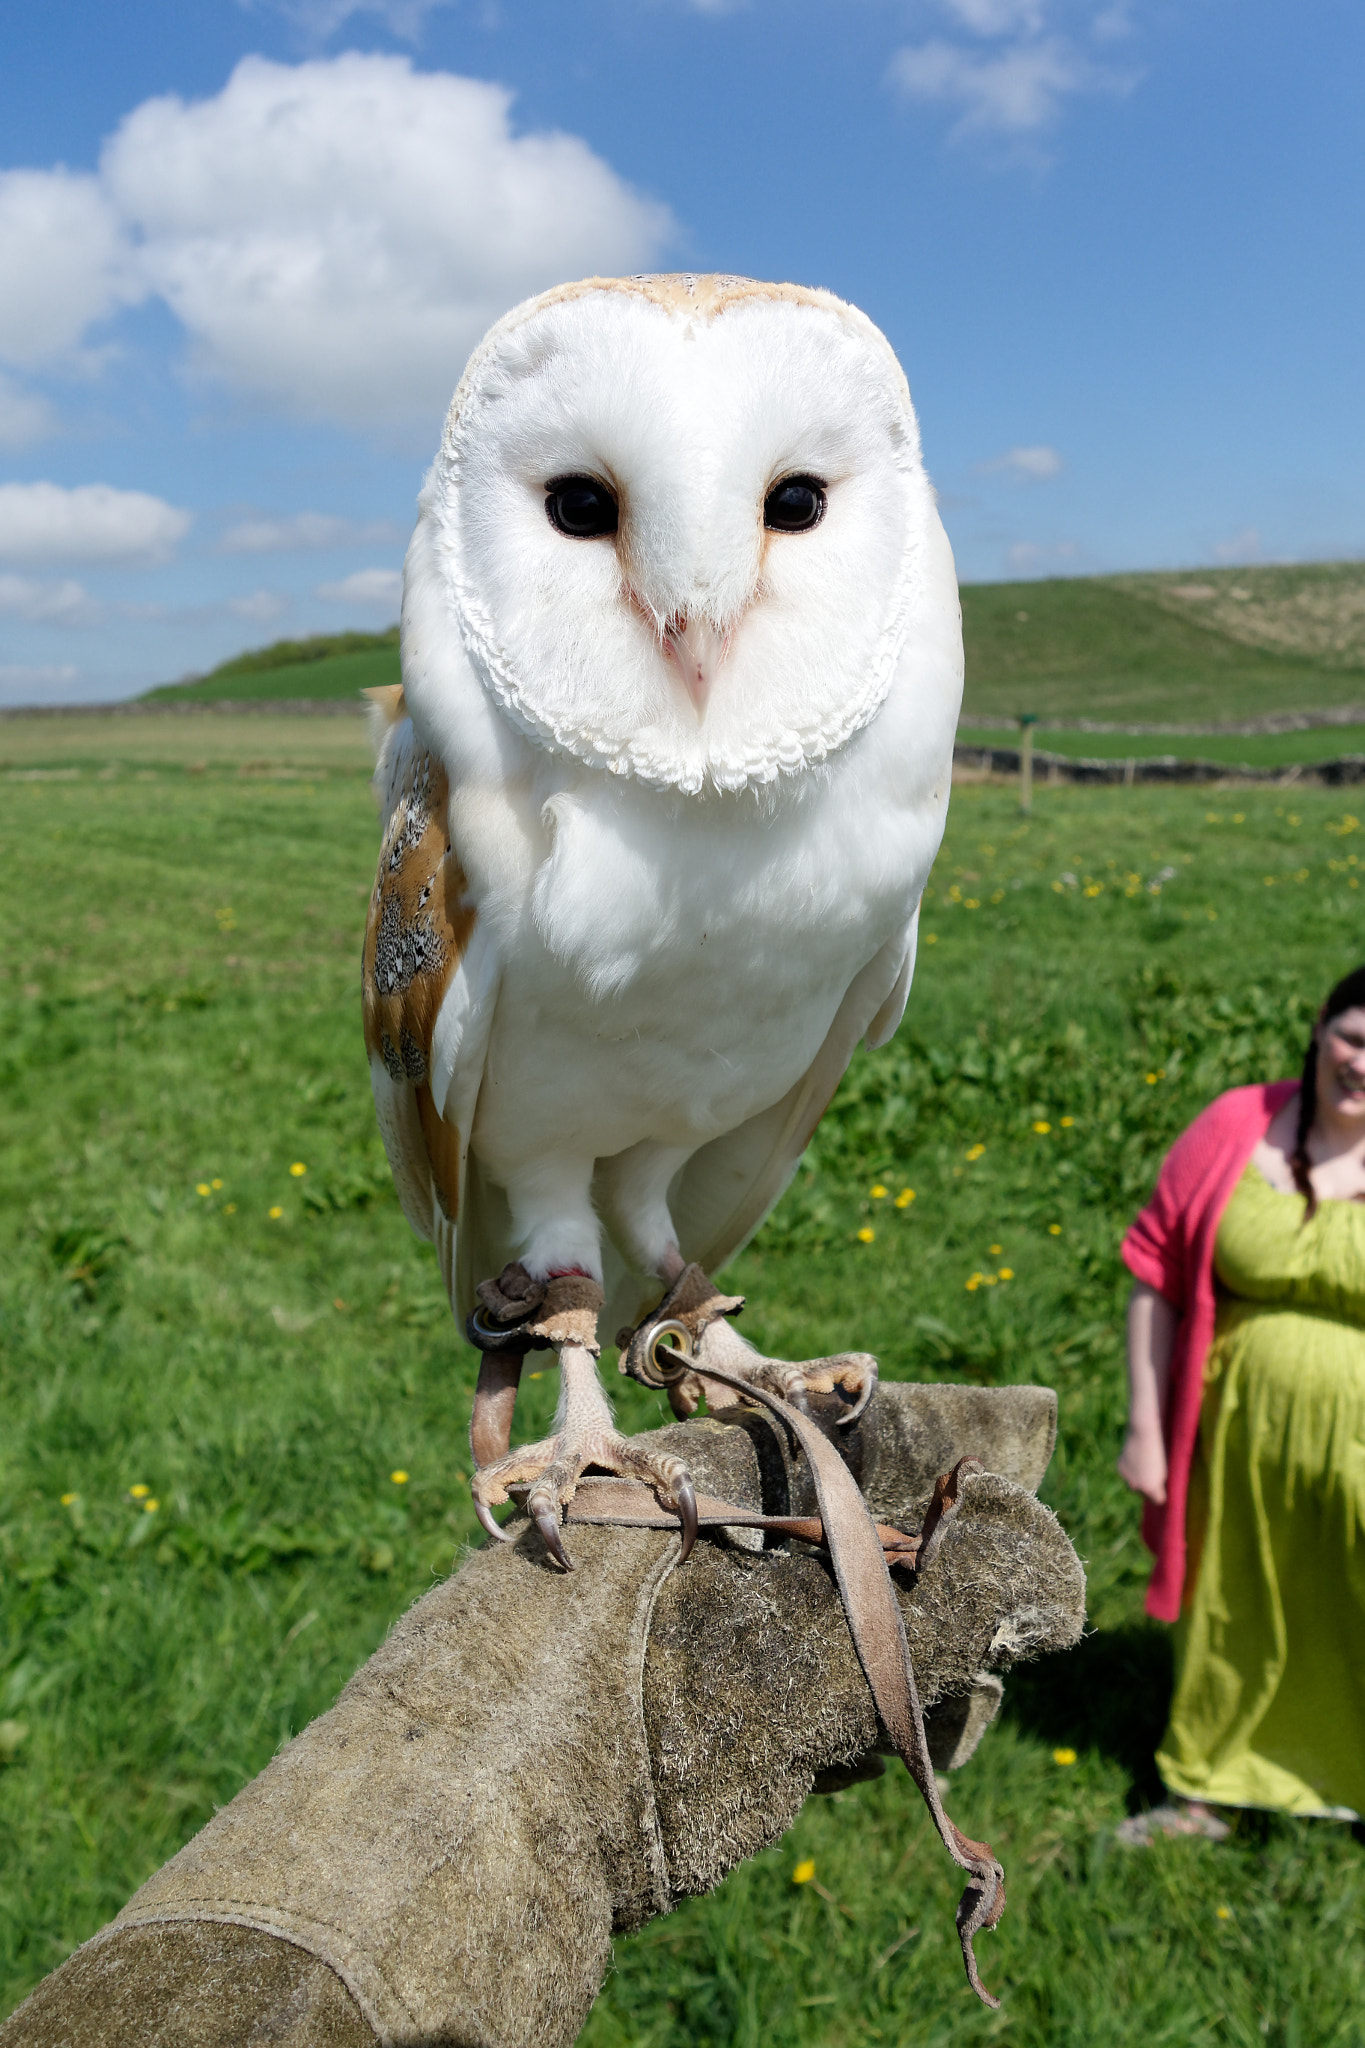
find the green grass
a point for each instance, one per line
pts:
(179, 1009)
(1133, 647)
(329, 665)
(49, 749)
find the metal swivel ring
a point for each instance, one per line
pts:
(669, 1361)
(488, 1336)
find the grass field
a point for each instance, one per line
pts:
(1222, 645)
(207, 1291)
(65, 749)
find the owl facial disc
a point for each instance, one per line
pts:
(681, 525)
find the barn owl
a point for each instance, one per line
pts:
(663, 782)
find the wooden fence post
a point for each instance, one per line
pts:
(1027, 721)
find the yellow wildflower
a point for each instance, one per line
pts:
(202, 1188)
(804, 1872)
(149, 1507)
(974, 1283)
(905, 1198)
(931, 938)
(229, 1208)
(975, 1151)
(215, 1185)
(1063, 1756)
(298, 1169)
(67, 1499)
(878, 1193)
(276, 1213)
(1054, 1229)
(1224, 1912)
(1042, 1126)
(1005, 1273)
(1067, 1122)
(866, 1234)
(995, 1250)
(139, 1492)
(399, 1478)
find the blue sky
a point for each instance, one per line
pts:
(245, 247)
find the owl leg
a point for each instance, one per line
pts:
(691, 1326)
(584, 1432)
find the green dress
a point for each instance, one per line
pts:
(1269, 1703)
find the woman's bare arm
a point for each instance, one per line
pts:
(1152, 1324)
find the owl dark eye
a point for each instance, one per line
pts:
(794, 505)
(580, 507)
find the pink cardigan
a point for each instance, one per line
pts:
(1170, 1246)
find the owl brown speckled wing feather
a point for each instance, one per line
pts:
(420, 937)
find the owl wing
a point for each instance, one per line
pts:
(430, 983)
(728, 1187)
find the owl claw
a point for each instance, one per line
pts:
(485, 1515)
(543, 1475)
(686, 1497)
(546, 1519)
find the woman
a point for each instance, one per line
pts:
(1246, 1434)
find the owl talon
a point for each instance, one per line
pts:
(686, 1497)
(485, 1515)
(546, 1519)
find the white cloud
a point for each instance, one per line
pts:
(336, 235)
(36, 603)
(1031, 64)
(1243, 546)
(305, 530)
(66, 261)
(1038, 464)
(41, 523)
(259, 606)
(25, 416)
(318, 20)
(1035, 558)
(16, 676)
(1012, 93)
(366, 586)
(999, 17)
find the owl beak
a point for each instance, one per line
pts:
(696, 651)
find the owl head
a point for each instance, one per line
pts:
(682, 528)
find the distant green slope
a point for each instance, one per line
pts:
(329, 665)
(1193, 647)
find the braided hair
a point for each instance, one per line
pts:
(1349, 994)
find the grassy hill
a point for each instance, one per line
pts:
(328, 665)
(1205, 648)
(1196, 648)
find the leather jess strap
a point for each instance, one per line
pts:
(630, 1504)
(860, 1550)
